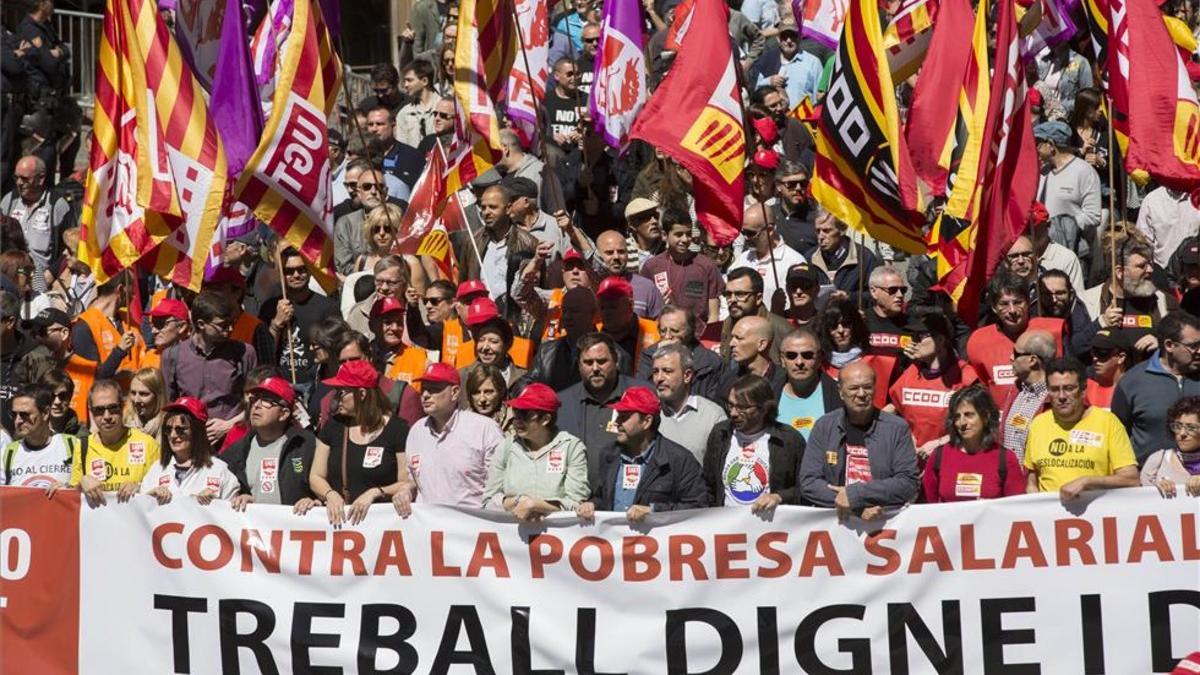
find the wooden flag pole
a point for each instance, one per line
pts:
(291, 346)
(1112, 211)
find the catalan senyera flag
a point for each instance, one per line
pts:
(157, 166)
(1008, 174)
(1158, 123)
(908, 35)
(695, 116)
(286, 180)
(807, 114)
(863, 174)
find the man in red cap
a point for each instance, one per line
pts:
(272, 461)
(644, 472)
(169, 323)
(449, 450)
(546, 305)
(401, 361)
(291, 318)
(617, 318)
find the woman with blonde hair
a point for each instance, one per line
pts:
(379, 230)
(144, 405)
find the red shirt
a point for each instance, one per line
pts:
(965, 477)
(923, 402)
(884, 367)
(1100, 395)
(990, 351)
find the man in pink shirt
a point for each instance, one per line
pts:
(449, 450)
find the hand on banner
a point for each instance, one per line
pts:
(205, 496)
(872, 513)
(525, 510)
(54, 487)
(841, 502)
(335, 506)
(637, 513)
(304, 505)
(239, 502)
(127, 491)
(1193, 486)
(1166, 487)
(93, 490)
(1072, 490)
(403, 503)
(766, 503)
(358, 508)
(586, 511)
(161, 494)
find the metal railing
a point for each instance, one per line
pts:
(82, 32)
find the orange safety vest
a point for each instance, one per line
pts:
(107, 336)
(521, 353)
(408, 365)
(82, 372)
(647, 335)
(151, 359)
(554, 329)
(243, 329)
(452, 341)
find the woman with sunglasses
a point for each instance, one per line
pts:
(63, 420)
(187, 465)
(539, 469)
(845, 339)
(1180, 465)
(379, 235)
(359, 458)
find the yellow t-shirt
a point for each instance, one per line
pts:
(126, 462)
(1096, 445)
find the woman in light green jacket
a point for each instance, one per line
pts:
(538, 470)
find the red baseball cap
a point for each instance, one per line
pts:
(227, 275)
(639, 400)
(170, 308)
(278, 387)
(481, 310)
(354, 375)
(536, 396)
(468, 288)
(615, 285)
(385, 306)
(190, 405)
(572, 256)
(766, 159)
(440, 372)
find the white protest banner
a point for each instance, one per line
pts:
(1015, 585)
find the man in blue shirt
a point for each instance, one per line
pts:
(794, 71)
(643, 472)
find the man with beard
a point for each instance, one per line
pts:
(1056, 299)
(791, 187)
(644, 472)
(1151, 387)
(744, 297)
(1130, 302)
(290, 319)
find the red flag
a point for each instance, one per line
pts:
(679, 27)
(930, 122)
(430, 190)
(1011, 172)
(695, 116)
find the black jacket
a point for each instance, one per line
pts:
(786, 452)
(555, 364)
(295, 461)
(706, 363)
(670, 479)
(591, 421)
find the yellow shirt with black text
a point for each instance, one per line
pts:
(126, 462)
(1096, 445)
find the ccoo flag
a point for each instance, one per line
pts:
(863, 174)
(286, 181)
(695, 116)
(619, 90)
(157, 166)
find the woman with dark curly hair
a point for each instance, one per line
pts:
(845, 339)
(972, 465)
(1180, 464)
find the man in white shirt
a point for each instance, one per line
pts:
(39, 457)
(766, 253)
(1166, 218)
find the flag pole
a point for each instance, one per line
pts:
(283, 294)
(862, 271)
(1112, 211)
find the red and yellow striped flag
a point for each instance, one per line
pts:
(286, 180)
(157, 168)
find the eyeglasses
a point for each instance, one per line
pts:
(382, 92)
(738, 295)
(391, 283)
(27, 271)
(434, 300)
(1192, 347)
(63, 396)
(591, 41)
(790, 37)
(751, 234)
(101, 410)
(1016, 355)
(177, 429)
(23, 414)
(807, 355)
(267, 401)
(162, 322)
(219, 326)
(892, 290)
(350, 186)
(797, 184)
(1182, 427)
(295, 271)
(743, 407)
(443, 116)
(379, 229)
(369, 187)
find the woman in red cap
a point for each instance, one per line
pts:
(492, 340)
(359, 458)
(538, 470)
(189, 468)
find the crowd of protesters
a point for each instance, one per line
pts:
(598, 351)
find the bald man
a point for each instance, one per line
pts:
(859, 460)
(612, 259)
(1031, 352)
(766, 253)
(750, 346)
(42, 215)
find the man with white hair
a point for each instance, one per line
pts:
(886, 317)
(42, 216)
(1130, 302)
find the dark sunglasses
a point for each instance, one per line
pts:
(350, 186)
(382, 228)
(591, 41)
(100, 410)
(23, 414)
(443, 116)
(63, 396)
(893, 290)
(295, 271)
(807, 355)
(369, 187)
(434, 301)
(177, 429)
(794, 184)
(1103, 354)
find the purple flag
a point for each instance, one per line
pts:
(619, 89)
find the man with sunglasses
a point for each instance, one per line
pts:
(586, 63)
(744, 290)
(209, 365)
(170, 323)
(1150, 388)
(886, 317)
(114, 458)
(803, 288)
(791, 188)
(348, 240)
(290, 319)
(37, 457)
(272, 461)
(809, 391)
(1110, 359)
(766, 253)
(443, 129)
(563, 103)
